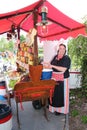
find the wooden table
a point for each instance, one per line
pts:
(29, 91)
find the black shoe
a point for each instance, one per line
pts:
(48, 106)
(57, 113)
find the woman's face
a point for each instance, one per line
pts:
(62, 50)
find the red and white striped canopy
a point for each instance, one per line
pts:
(62, 26)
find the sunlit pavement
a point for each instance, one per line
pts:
(31, 119)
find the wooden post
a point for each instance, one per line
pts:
(35, 39)
(18, 31)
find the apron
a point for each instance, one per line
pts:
(64, 109)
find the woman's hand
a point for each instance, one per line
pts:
(47, 65)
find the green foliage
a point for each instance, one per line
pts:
(84, 71)
(6, 45)
(74, 113)
(40, 52)
(10, 45)
(84, 74)
(72, 102)
(77, 48)
(12, 82)
(78, 53)
(22, 38)
(84, 119)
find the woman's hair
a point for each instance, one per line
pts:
(64, 47)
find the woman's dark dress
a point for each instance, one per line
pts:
(58, 97)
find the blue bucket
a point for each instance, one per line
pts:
(46, 74)
(2, 98)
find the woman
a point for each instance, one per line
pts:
(60, 65)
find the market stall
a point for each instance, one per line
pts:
(40, 17)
